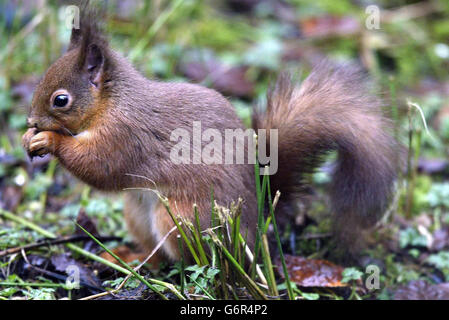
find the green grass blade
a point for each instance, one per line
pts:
(291, 294)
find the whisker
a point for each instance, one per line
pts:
(143, 177)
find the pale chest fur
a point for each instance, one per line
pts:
(148, 220)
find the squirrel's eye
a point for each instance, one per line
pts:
(61, 100)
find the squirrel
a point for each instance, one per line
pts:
(111, 127)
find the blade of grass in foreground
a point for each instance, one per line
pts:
(252, 287)
(291, 294)
(197, 236)
(260, 195)
(181, 231)
(182, 271)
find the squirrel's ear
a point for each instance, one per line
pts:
(95, 63)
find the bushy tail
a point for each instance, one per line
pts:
(333, 109)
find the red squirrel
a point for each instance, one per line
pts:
(111, 127)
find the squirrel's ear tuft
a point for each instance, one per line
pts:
(75, 39)
(87, 28)
(88, 38)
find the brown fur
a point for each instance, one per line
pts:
(116, 135)
(333, 109)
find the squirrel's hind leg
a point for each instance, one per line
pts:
(138, 208)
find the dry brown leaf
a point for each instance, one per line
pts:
(422, 290)
(312, 272)
(329, 26)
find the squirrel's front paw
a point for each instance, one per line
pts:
(42, 143)
(27, 136)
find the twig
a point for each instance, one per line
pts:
(46, 242)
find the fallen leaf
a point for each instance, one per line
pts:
(329, 26)
(312, 272)
(422, 290)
